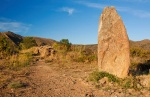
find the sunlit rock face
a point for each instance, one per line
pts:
(113, 44)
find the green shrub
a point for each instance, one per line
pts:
(96, 76)
(127, 83)
(16, 85)
(27, 43)
(63, 46)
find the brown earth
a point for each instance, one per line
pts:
(64, 80)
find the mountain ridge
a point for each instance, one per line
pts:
(16, 40)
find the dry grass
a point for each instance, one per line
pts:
(13, 67)
(16, 62)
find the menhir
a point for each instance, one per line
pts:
(113, 44)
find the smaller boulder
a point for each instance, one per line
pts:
(103, 81)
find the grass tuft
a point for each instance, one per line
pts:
(16, 85)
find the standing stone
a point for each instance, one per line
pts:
(113, 44)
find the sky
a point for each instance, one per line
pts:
(76, 20)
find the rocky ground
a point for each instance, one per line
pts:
(65, 80)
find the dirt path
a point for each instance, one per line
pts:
(49, 81)
(64, 80)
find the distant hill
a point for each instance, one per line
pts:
(145, 44)
(44, 41)
(15, 39)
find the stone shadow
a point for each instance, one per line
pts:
(141, 69)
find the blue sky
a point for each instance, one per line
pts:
(76, 20)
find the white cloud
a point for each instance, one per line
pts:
(70, 11)
(140, 1)
(141, 13)
(136, 12)
(9, 25)
(90, 4)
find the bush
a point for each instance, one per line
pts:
(27, 43)
(96, 76)
(138, 52)
(126, 83)
(63, 46)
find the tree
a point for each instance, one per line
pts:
(27, 43)
(65, 44)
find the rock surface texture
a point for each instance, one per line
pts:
(113, 44)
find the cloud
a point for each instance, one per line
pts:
(9, 25)
(70, 11)
(136, 12)
(141, 13)
(139, 1)
(90, 4)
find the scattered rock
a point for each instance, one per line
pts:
(89, 94)
(43, 51)
(113, 44)
(103, 81)
(145, 80)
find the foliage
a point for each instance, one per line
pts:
(132, 82)
(126, 83)
(96, 76)
(16, 85)
(27, 43)
(138, 52)
(63, 46)
(6, 47)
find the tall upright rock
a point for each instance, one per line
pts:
(113, 44)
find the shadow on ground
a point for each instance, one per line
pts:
(141, 69)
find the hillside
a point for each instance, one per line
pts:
(43, 41)
(145, 44)
(16, 39)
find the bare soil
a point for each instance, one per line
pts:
(63, 80)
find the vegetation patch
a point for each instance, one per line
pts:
(96, 76)
(7, 48)
(63, 46)
(27, 43)
(17, 62)
(127, 83)
(16, 85)
(139, 52)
